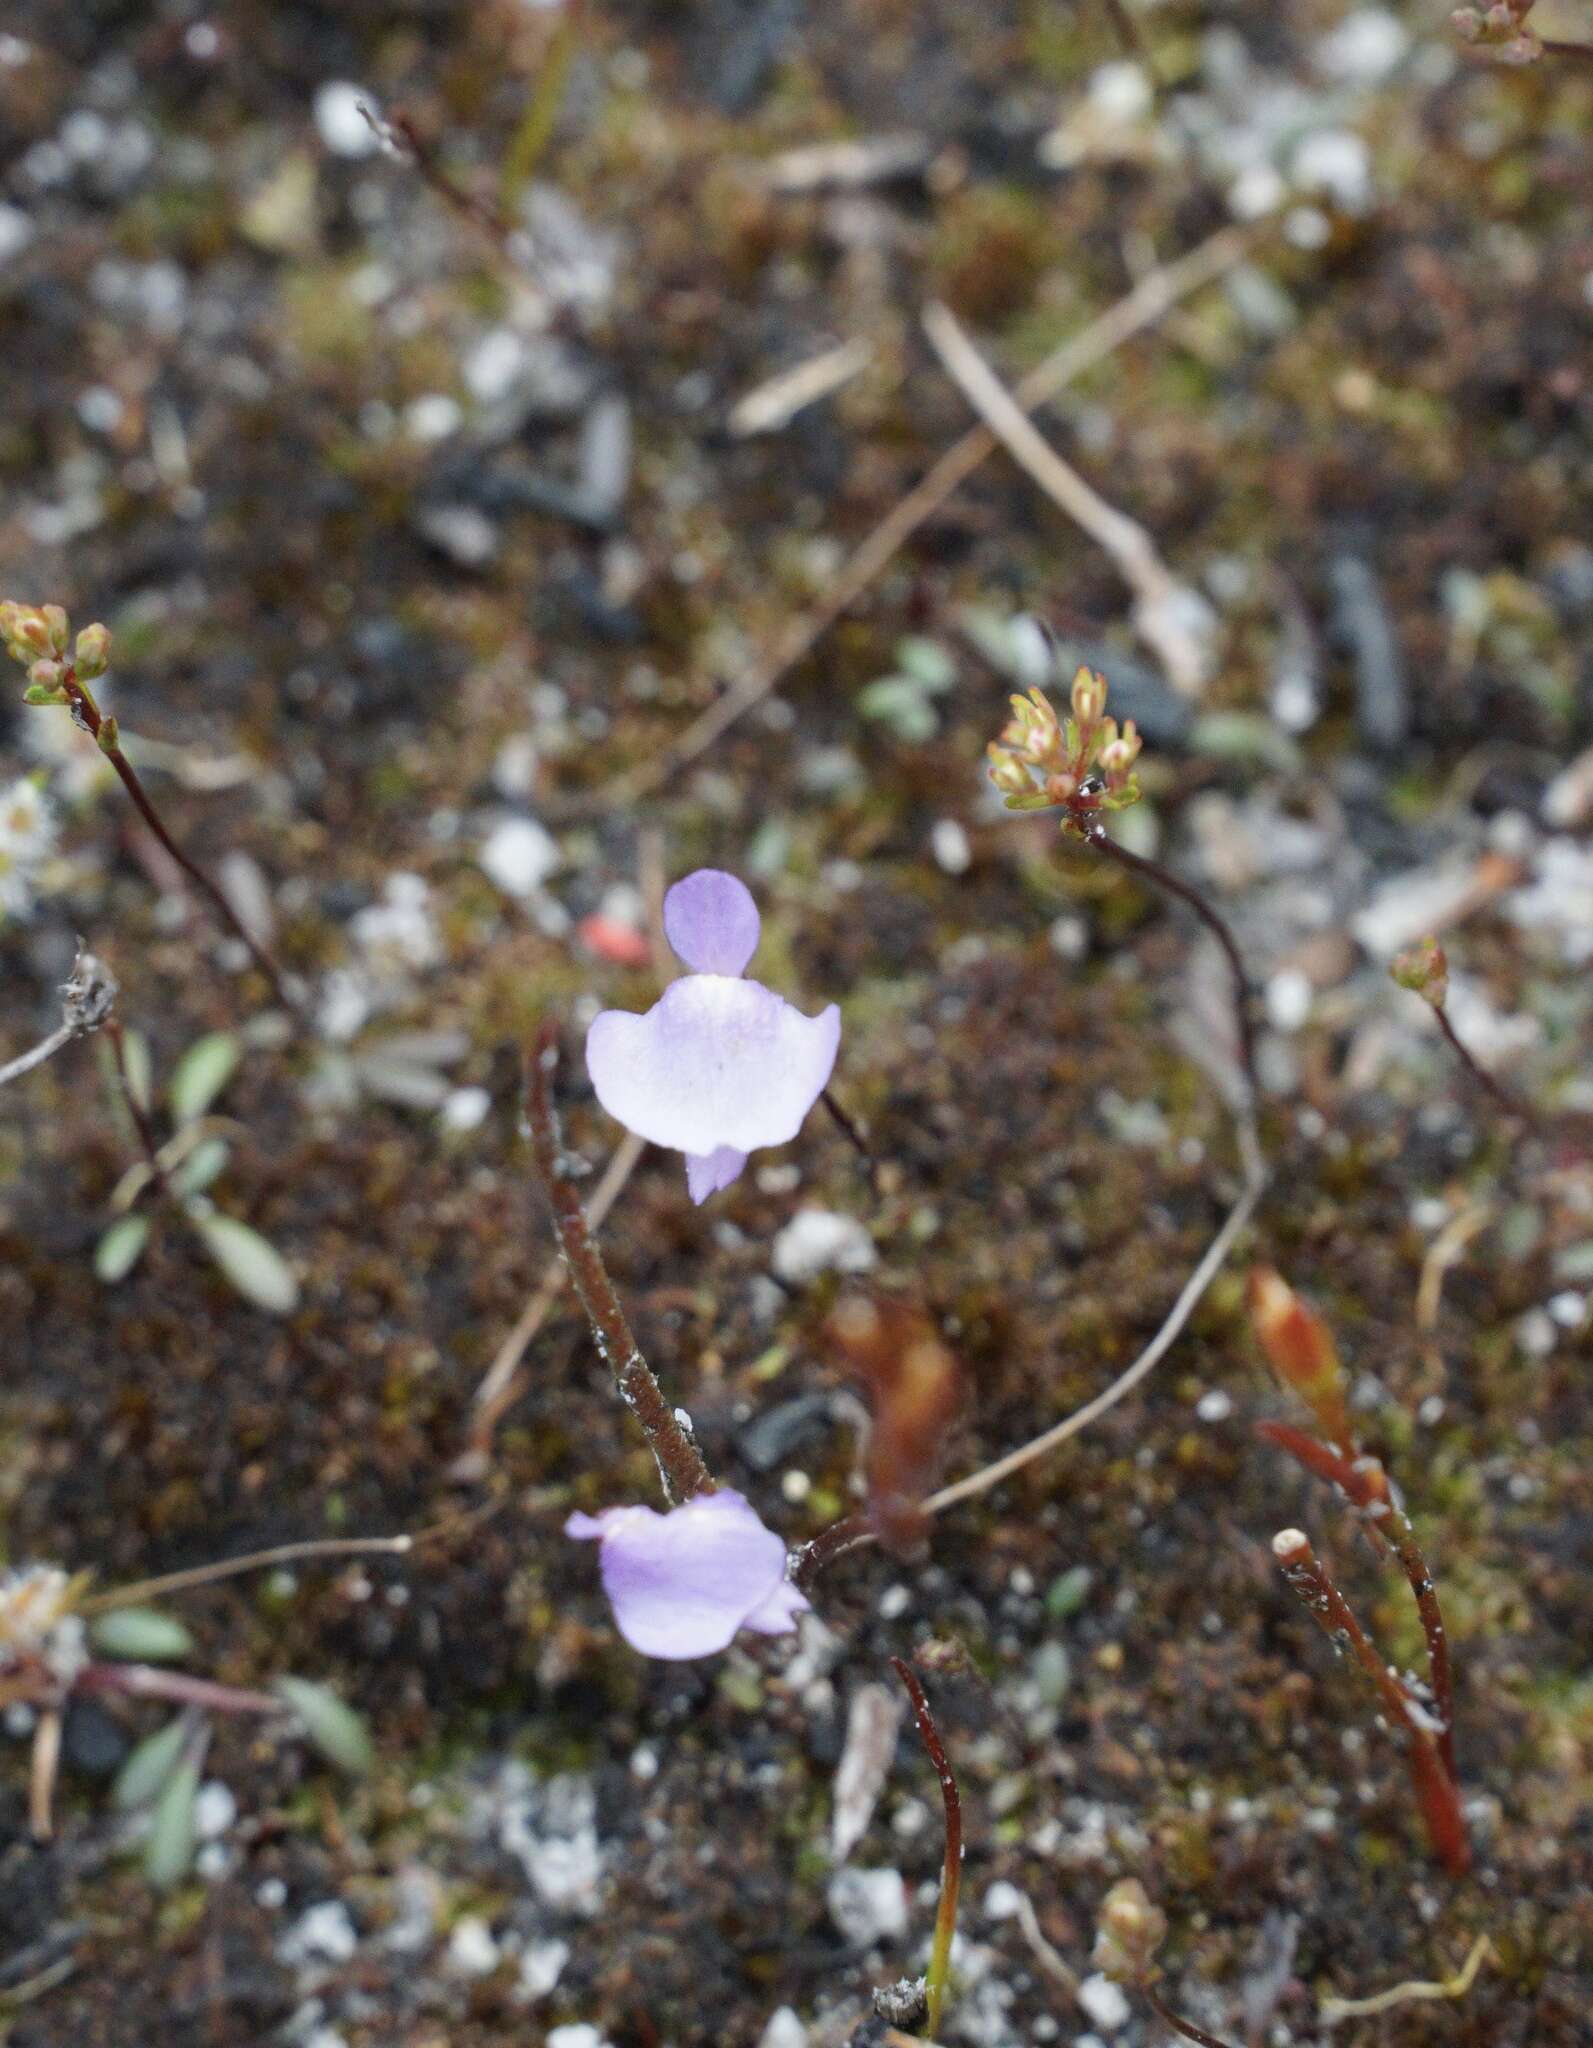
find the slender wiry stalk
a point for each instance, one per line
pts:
(86, 713)
(1169, 2018)
(951, 1877)
(848, 1123)
(25, 1062)
(1436, 1791)
(149, 1682)
(256, 1560)
(1497, 1092)
(854, 1532)
(680, 1465)
(1164, 878)
(1365, 1484)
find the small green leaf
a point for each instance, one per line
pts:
(120, 1249)
(169, 1852)
(149, 1765)
(334, 1728)
(926, 662)
(201, 1166)
(136, 1067)
(1067, 1594)
(142, 1635)
(256, 1269)
(201, 1074)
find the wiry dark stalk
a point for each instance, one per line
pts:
(1500, 1095)
(1153, 871)
(1436, 1791)
(86, 713)
(1169, 2018)
(680, 1465)
(849, 1125)
(951, 1877)
(854, 1532)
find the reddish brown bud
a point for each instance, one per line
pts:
(1300, 1351)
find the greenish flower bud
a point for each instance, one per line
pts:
(93, 656)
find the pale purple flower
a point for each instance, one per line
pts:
(681, 1584)
(719, 1066)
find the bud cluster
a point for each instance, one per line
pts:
(39, 636)
(1081, 765)
(1501, 28)
(38, 1624)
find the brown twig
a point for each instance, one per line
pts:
(680, 1465)
(1162, 606)
(1499, 1094)
(1436, 1791)
(149, 1682)
(45, 1767)
(951, 1876)
(850, 1127)
(86, 714)
(1150, 299)
(1164, 878)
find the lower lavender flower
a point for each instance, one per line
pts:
(719, 1066)
(682, 1584)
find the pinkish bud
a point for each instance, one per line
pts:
(1424, 970)
(1089, 698)
(57, 625)
(1128, 1932)
(27, 632)
(93, 653)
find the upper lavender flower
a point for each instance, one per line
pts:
(719, 1066)
(681, 1584)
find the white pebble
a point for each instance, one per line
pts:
(541, 1967)
(472, 1951)
(215, 1810)
(580, 2036)
(784, 2030)
(948, 842)
(821, 1241)
(868, 1906)
(343, 128)
(1215, 1406)
(321, 1934)
(519, 855)
(1104, 2002)
(466, 1109)
(1288, 999)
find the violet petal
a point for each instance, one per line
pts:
(777, 1615)
(715, 1062)
(681, 1584)
(707, 1173)
(712, 922)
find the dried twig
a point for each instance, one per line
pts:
(1163, 607)
(680, 1466)
(255, 1560)
(87, 997)
(1153, 297)
(1336, 2009)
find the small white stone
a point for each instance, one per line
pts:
(1003, 1901)
(271, 1894)
(1121, 91)
(472, 1951)
(784, 2030)
(343, 128)
(821, 1241)
(541, 1967)
(433, 416)
(1337, 163)
(322, 1934)
(215, 1810)
(1288, 999)
(1535, 1334)
(519, 855)
(466, 1109)
(1216, 1406)
(1567, 1309)
(1105, 2003)
(869, 1906)
(1365, 46)
(494, 364)
(579, 2036)
(948, 842)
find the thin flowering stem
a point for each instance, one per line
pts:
(149, 1682)
(1176, 2021)
(1498, 1093)
(851, 1129)
(256, 1560)
(47, 1048)
(951, 1876)
(1436, 1790)
(103, 731)
(1164, 878)
(680, 1465)
(87, 997)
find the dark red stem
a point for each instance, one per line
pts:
(680, 1464)
(149, 1682)
(1169, 2018)
(1496, 1090)
(951, 1878)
